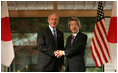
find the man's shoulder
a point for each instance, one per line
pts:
(83, 35)
(59, 31)
(44, 29)
(69, 37)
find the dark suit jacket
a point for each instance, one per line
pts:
(75, 53)
(47, 45)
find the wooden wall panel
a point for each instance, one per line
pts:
(61, 13)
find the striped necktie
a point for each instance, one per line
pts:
(54, 34)
(72, 39)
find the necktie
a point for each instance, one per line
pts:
(72, 39)
(54, 35)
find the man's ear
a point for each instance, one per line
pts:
(48, 20)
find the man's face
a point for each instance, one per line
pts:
(53, 21)
(74, 27)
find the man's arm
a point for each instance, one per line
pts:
(78, 48)
(62, 44)
(42, 44)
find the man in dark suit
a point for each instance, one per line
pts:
(49, 40)
(75, 48)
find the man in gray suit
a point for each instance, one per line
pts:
(49, 40)
(75, 48)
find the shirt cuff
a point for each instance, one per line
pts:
(63, 52)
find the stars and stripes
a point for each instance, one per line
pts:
(99, 46)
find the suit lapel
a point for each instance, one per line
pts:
(58, 35)
(49, 33)
(77, 37)
(69, 40)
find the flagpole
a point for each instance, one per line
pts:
(5, 69)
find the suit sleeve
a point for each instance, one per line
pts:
(77, 48)
(62, 58)
(42, 44)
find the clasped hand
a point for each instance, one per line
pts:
(58, 53)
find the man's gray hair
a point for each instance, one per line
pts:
(74, 19)
(53, 14)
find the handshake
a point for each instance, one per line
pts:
(59, 53)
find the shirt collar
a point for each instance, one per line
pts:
(52, 28)
(75, 34)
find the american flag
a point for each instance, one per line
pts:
(99, 46)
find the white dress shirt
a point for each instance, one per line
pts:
(52, 30)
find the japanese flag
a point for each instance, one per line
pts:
(112, 35)
(7, 51)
